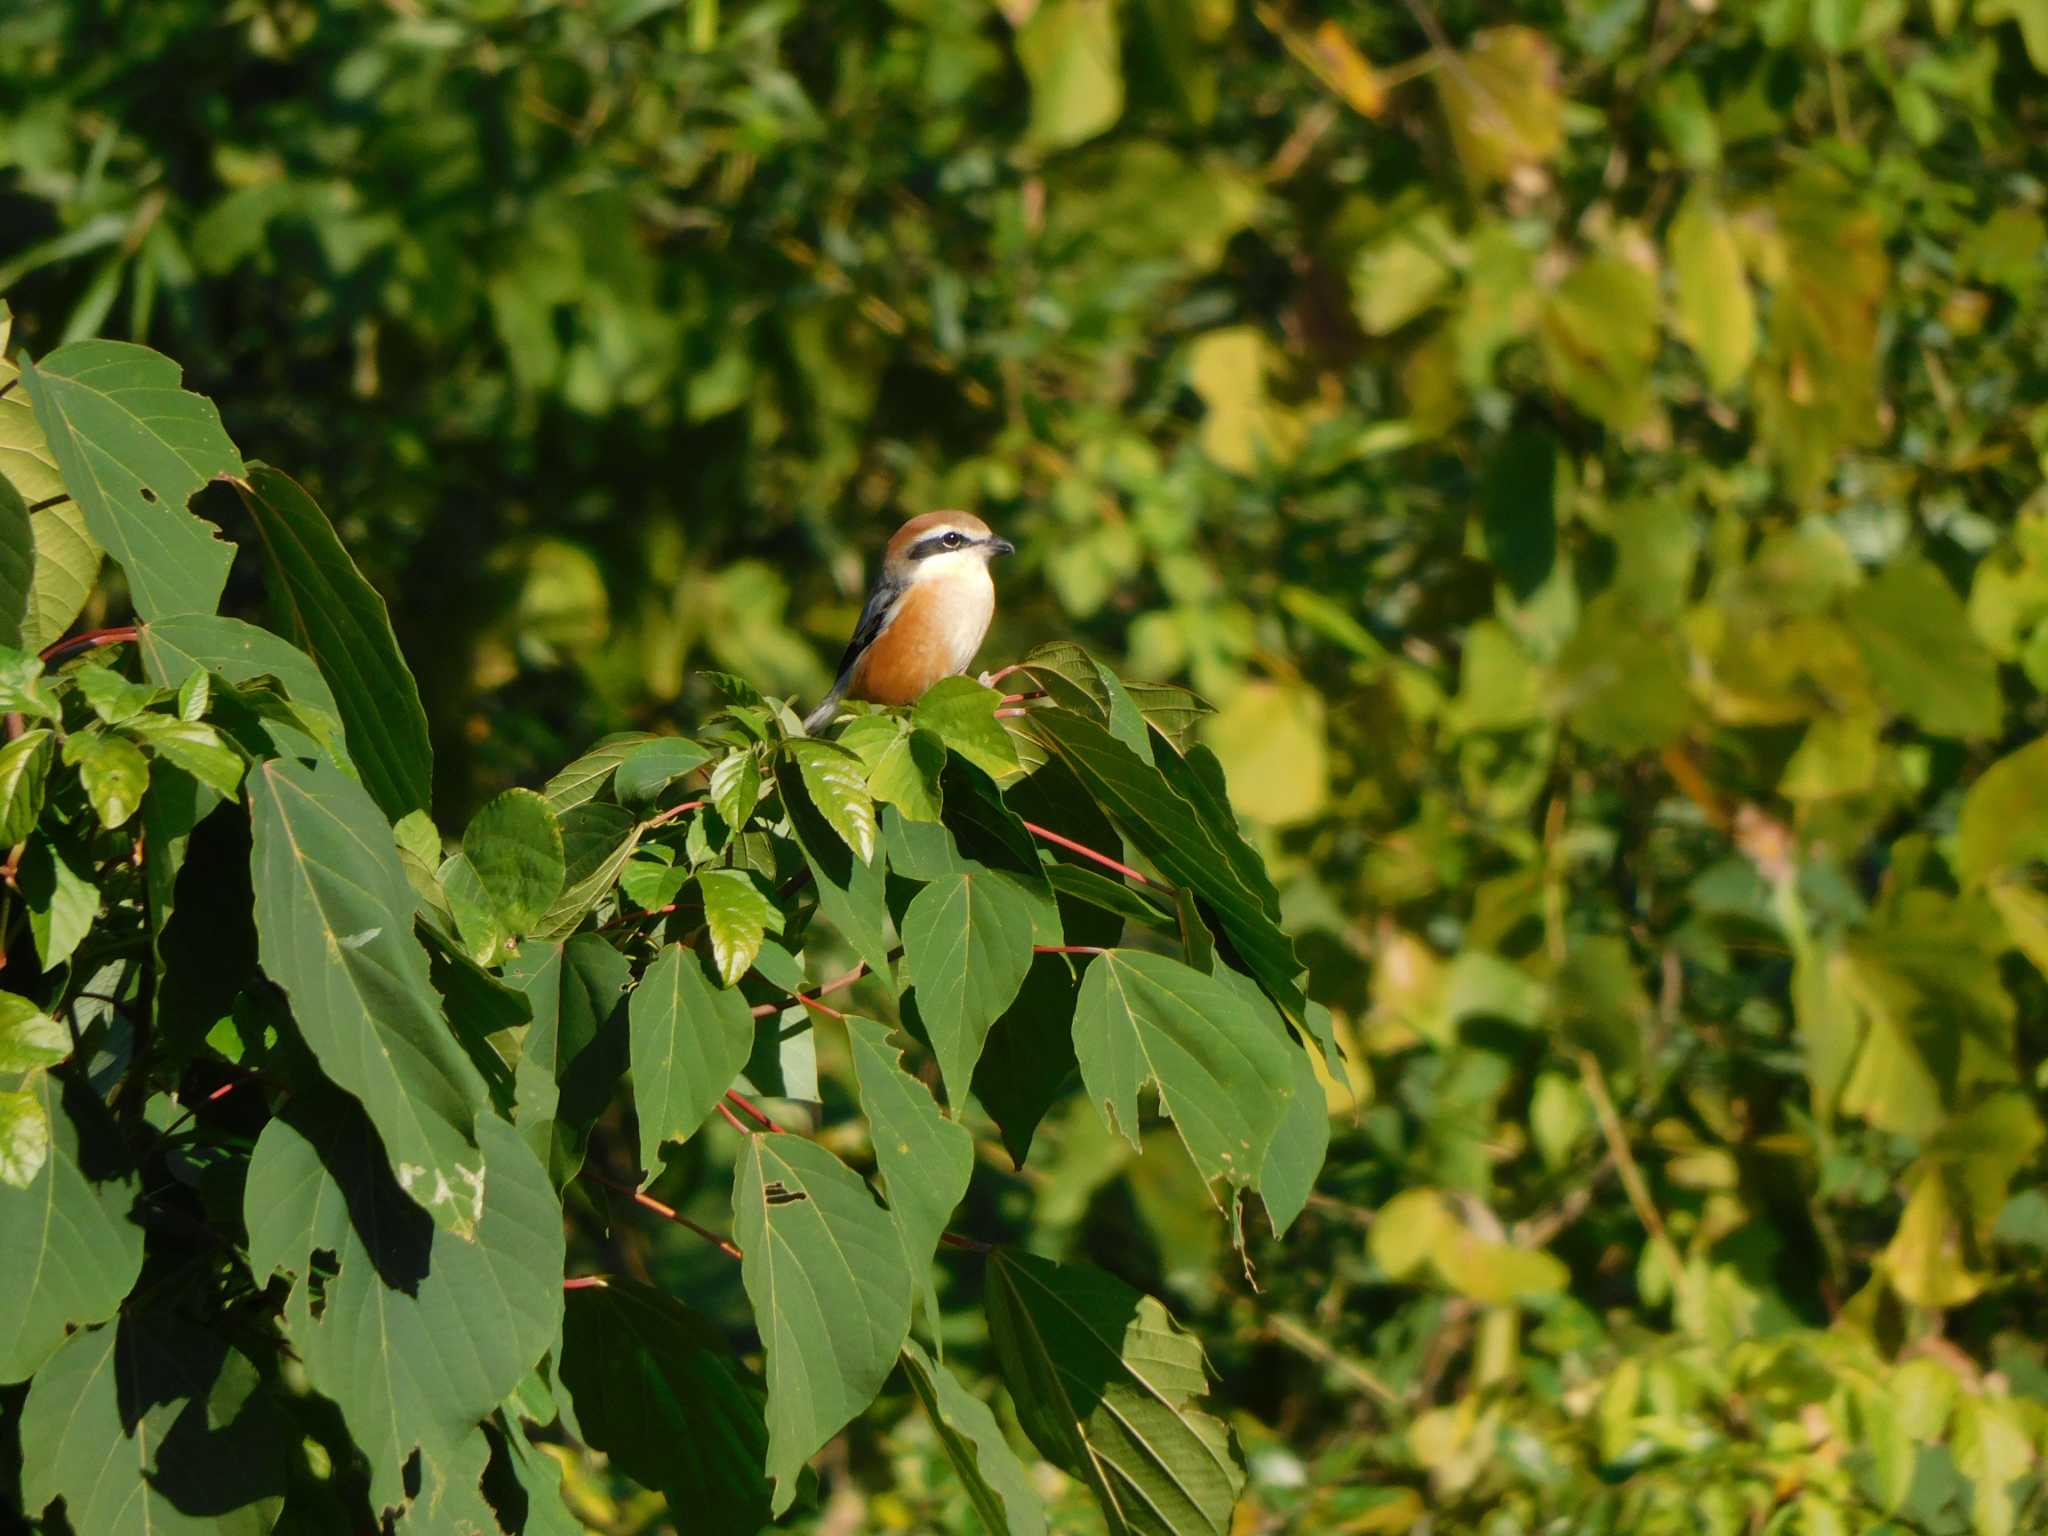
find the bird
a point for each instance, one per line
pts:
(925, 616)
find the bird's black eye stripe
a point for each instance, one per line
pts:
(937, 544)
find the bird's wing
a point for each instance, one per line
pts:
(873, 617)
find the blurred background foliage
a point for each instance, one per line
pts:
(1591, 453)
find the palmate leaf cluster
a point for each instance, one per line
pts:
(309, 1113)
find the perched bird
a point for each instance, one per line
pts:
(926, 615)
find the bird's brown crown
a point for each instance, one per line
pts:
(928, 523)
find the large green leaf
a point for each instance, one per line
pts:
(573, 1055)
(646, 768)
(1219, 1056)
(414, 1334)
(515, 846)
(966, 946)
(850, 890)
(962, 714)
(326, 608)
(658, 1391)
(691, 1038)
(25, 458)
(586, 777)
(998, 1484)
(150, 1427)
(133, 447)
(334, 929)
(824, 1270)
(926, 1159)
(1103, 1381)
(17, 562)
(1183, 838)
(173, 649)
(68, 1251)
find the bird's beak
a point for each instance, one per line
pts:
(1001, 547)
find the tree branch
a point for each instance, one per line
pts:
(1050, 836)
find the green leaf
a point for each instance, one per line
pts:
(515, 846)
(1598, 336)
(825, 1272)
(1187, 839)
(1077, 681)
(151, 1426)
(966, 947)
(193, 746)
(114, 772)
(1716, 311)
(1501, 98)
(29, 1038)
(56, 881)
(1107, 895)
(657, 1389)
(926, 1159)
(112, 697)
(850, 890)
(174, 650)
(736, 787)
(1029, 1053)
(737, 914)
(1104, 1384)
(649, 767)
(2004, 820)
(1223, 1064)
(574, 1054)
(416, 1335)
(998, 1484)
(68, 1251)
(24, 775)
(133, 447)
(585, 779)
(67, 570)
(834, 782)
(17, 562)
(23, 688)
(597, 839)
(1518, 511)
(962, 714)
(475, 913)
(690, 1040)
(1071, 54)
(1915, 635)
(906, 772)
(24, 1137)
(326, 608)
(334, 929)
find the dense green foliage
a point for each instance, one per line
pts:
(1591, 456)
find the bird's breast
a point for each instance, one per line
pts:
(936, 629)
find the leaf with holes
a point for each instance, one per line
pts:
(327, 609)
(840, 794)
(417, 1335)
(690, 1040)
(1104, 1382)
(151, 1426)
(515, 846)
(738, 915)
(657, 1389)
(68, 1250)
(824, 1270)
(967, 945)
(926, 1159)
(334, 929)
(998, 1484)
(132, 448)
(1222, 1062)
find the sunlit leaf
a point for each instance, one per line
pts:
(737, 915)
(926, 1159)
(690, 1040)
(515, 846)
(966, 947)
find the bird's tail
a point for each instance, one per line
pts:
(828, 706)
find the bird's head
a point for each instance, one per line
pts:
(940, 544)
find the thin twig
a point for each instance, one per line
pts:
(676, 810)
(763, 1010)
(1298, 1336)
(64, 650)
(733, 1120)
(665, 1211)
(1089, 853)
(736, 1097)
(1068, 949)
(1631, 1172)
(584, 1282)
